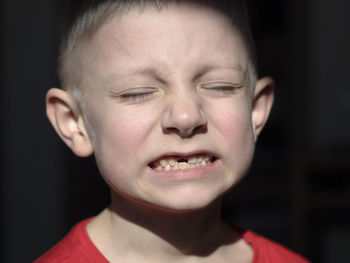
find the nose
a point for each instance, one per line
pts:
(184, 117)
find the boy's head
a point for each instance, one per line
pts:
(164, 100)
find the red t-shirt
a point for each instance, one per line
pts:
(77, 247)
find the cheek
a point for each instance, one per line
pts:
(233, 122)
(122, 137)
(124, 132)
(234, 131)
(118, 146)
(235, 136)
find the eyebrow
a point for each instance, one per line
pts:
(154, 73)
(148, 70)
(142, 71)
(209, 67)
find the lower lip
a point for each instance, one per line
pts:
(188, 174)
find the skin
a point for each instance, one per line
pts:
(155, 83)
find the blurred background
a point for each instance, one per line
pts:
(298, 190)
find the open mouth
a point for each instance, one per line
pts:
(182, 163)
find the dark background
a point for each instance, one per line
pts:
(298, 190)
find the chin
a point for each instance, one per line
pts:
(188, 200)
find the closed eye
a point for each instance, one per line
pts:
(135, 95)
(221, 88)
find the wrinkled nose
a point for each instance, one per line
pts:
(184, 117)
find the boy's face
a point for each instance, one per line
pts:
(169, 84)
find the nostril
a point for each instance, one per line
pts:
(171, 130)
(200, 129)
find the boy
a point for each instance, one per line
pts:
(164, 93)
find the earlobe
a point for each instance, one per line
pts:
(262, 103)
(66, 119)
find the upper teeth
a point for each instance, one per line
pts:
(173, 164)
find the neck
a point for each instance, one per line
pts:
(162, 232)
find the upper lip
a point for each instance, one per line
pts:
(179, 155)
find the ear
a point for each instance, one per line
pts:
(262, 103)
(64, 115)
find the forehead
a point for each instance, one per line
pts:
(177, 37)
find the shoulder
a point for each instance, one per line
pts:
(75, 247)
(269, 251)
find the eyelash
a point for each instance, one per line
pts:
(222, 90)
(136, 96)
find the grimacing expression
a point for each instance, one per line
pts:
(167, 105)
